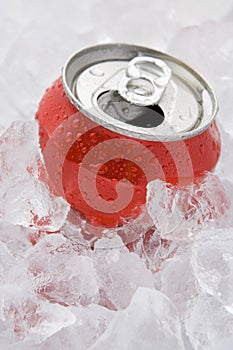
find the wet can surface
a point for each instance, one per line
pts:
(119, 117)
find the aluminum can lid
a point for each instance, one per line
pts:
(139, 92)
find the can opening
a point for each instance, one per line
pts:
(111, 103)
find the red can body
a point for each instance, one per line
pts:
(65, 147)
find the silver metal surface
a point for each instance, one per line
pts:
(144, 80)
(98, 80)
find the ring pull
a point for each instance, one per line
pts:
(144, 81)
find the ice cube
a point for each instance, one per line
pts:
(120, 273)
(198, 11)
(38, 284)
(27, 320)
(153, 249)
(225, 164)
(91, 323)
(128, 234)
(13, 270)
(76, 239)
(209, 324)
(176, 279)
(212, 262)
(179, 212)
(39, 60)
(6, 261)
(209, 318)
(229, 15)
(25, 198)
(148, 248)
(209, 49)
(60, 274)
(134, 19)
(212, 50)
(2, 129)
(16, 238)
(150, 321)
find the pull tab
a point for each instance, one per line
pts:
(144, 81)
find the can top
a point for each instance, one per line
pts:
(139, 92)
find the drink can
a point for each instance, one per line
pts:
(119, 117)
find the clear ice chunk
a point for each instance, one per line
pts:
(212, 263)
(209, 324)
(176, 279)
(150, 321)
(60, 273)
(120, 273)
(49, 292)
(91, 322)
(179, 212)
(208, 48)
(24, 198)
(15, 238)
(28, 321)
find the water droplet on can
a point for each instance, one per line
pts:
(93, 137)
(75, 123)
(96, 72)
(202, 148)
(69, 137)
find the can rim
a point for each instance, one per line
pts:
(122, 128)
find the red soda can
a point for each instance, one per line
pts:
(119, 117)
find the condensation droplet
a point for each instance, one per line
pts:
(75, 123)
(125, 110)
(57, 175)
(69, 137)
(60, 129)
(96, 72)
(138, 159)
(202, 148)
(93, 137)
(106, 85)
(114, 181)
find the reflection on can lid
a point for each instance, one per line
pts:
(139, 92)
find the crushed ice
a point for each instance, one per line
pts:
(170, 289)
